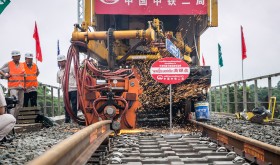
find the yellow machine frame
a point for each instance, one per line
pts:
(271, 107)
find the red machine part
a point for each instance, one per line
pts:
(121, 88)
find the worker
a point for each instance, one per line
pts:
(15, 73)
(31, 82)
(7, 121)
(72, 86)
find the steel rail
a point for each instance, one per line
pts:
(264, 153)
(78, 148)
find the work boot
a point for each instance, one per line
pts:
(7, 139)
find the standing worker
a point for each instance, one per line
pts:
(31, 83)
(15, 73)
(72, 86)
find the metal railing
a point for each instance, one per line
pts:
(237, 96)
(51, 100)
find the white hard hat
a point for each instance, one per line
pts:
(61, 58)
(15, 53)
(28, 55)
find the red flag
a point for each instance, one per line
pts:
(203, 61)
(38, 47)
(244, 55)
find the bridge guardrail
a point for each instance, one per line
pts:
(237, 96)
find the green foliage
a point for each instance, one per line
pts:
(42, 100)
(262, 98)
(48, 100)
(3, 88)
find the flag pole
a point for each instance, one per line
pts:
(220, 61)
(201, 58)
(242, 53)
(242, 71)
(219, 76)
(243, 50)
(38, 46)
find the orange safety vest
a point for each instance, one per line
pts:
(31, 76)
(17, 75)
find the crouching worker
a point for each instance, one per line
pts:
(7, 121)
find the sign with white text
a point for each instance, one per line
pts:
(171, 48)
(170, 70)
(151, 7)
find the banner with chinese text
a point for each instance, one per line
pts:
(151, 7)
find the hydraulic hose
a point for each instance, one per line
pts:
(72, 53)
(85, 74)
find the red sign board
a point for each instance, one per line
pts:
(151, 7)
(170, 70)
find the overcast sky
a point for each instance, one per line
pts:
(55, 19)
(260, 21)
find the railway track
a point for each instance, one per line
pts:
(253, 150)
(210, 145)
(78, 148)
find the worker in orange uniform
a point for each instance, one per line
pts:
(31, 82)
(15, 73)
(72, 86)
